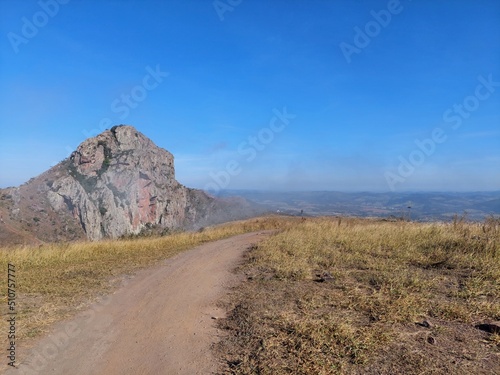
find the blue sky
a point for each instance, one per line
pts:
(283, 95)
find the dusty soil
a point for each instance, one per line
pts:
(160, 321)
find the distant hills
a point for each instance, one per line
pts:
(120, 183)
(421, 206)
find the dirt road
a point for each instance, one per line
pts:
(159, 322)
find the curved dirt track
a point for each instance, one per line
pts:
(159, 322)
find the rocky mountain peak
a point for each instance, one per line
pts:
(116, 183)
(117, 149)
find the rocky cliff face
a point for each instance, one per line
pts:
(114, 184)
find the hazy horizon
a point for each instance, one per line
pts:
(315, 95)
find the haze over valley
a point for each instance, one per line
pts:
(250, 187)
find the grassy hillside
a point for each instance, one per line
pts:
(322, 296)
(330, 296)
(55, 280)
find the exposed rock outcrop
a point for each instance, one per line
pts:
(119, 183)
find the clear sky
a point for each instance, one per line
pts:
(284, 94)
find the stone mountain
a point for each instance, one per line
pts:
(114, 184)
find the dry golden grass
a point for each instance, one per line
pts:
(330, 296)
(55, 280)
(325, 296)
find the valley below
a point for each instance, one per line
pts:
(419, 206)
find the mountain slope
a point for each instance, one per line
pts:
(114, 184)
